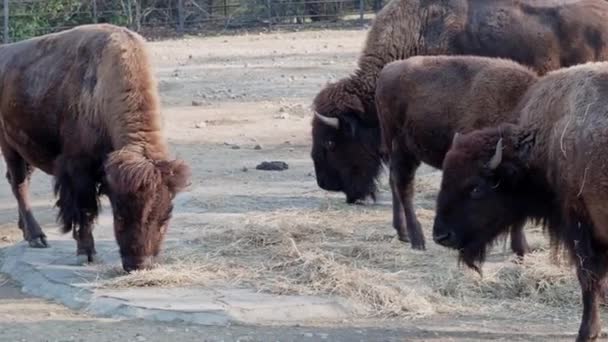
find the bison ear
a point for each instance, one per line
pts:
(176, 174)
(352, 124)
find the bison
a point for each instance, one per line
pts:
(544, 35)
(422, 101)
(82, 105)
(550, 167)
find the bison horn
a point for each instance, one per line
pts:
(456, 135)
(333, 122)
(497, 157)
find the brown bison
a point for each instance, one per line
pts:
(82, 105)
(544, 35)
(550, 167)
(423, 101)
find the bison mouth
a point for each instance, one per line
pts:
(360, 199)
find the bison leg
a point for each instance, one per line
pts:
(591, 271)
(402, 172)
(76, 186)
(18, 174)
(85, 250)
(519, 244)
(398, 212)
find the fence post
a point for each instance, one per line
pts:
(180, 16)
(269, 8)
(361, 10)
(6, 36)
(94, 3)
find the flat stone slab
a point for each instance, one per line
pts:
(54, 274)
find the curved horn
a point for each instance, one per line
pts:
(497, 157)
(333, 122)
(456, 135)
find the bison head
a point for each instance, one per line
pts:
(345, 146)
(141, 193)
(482, 193)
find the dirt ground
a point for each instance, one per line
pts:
(222, 96)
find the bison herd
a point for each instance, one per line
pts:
(508, 98)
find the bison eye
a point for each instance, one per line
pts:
(476, 193)
(330, 145)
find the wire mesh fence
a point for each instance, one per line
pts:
(23, 19)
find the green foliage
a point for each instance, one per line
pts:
(35, 18)
(32, 18)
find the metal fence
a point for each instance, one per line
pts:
(27, 18)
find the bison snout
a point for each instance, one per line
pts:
(134, 263)
(443, 239)
(328, 185)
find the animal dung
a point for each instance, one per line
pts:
(272, 166)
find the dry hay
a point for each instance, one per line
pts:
(353, 253)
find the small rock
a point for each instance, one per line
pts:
(189, 56)
(257, 147)
(197, 103)
(272, 166)
(140, 338)
(201, 124)
(291, 150)
(244, 169)
(309, 174)
(235, 147)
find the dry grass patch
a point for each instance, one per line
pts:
(353, 253)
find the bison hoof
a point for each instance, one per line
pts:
(404, 238)
(83, 259)
(418, 244)
(39, 242)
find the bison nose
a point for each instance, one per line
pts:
(134, 263)
(444, 239)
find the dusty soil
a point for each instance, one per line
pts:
(222, 96)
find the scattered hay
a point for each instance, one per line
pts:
(533, 280)
(177, 272)
(317, 272)
(353, 253)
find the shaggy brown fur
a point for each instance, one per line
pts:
(83, 106)
(551, 167)
(423, 101)
(542, 34)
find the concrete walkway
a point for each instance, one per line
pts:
(54, 274)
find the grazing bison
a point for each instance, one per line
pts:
(423, 101)
(544, 35)
(550, 167)
(82, 105)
